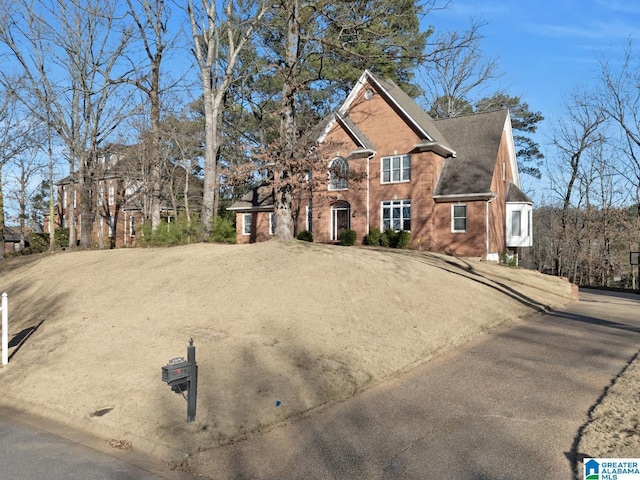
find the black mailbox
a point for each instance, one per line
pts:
(182, 376)
(176, 372)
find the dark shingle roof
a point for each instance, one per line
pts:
(359, 138)
(515, 195)
(476, 139)
(259, 198)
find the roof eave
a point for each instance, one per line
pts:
(436, 147)
(362, 153)
(460, 197)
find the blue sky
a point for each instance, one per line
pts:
(546, 48)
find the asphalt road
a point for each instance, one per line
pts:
(506, 406)
(31, 453)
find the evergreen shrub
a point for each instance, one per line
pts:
(347, 237)
(305, 236)
(373, 238)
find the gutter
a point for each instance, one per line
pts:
(459, 197)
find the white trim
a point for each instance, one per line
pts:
(402, 169)
(333, 223)
(345, 163)
(402, 203)
(244, 223)
(513, 161)
(367, 76)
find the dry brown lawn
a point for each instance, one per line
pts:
(279, 330)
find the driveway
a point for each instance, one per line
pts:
(507, 405)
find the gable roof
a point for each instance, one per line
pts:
(476, 138)
(415, 116)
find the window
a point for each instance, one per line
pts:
(338, 173)
(132, 226)
(272, 224)
(246, 224)
(396, 169)
(112, 226)
(459, 218)
(516, 225)
(65, 200)
(396, 214)
(309, 220)
(112, 194)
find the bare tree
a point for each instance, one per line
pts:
(574, 137)
(15, 133)
(24, 170)
(68, 56)
(220, 32)
(456, 68)
(151, 22)
(619, 98)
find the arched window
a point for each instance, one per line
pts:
(338, 173)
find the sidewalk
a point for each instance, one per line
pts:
(507, 405)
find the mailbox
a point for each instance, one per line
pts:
(182, 376)
(177, 373)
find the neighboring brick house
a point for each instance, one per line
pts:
(119, 199)
(14, 241)
(453, 183)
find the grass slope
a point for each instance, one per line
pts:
(279, 330)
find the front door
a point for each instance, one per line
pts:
(340, 219)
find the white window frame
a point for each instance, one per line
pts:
(272, 223)
(516, 223)
(455, 217)
(338, 175)
(112, 194)
(132, 226)
(392, 206)
(246, 222)
(402, 169)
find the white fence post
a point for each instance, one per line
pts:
(5, 329)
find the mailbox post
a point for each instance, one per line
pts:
(182, 376)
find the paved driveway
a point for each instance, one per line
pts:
(508, 405)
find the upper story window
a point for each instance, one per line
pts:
(396, 168)
(338, 173)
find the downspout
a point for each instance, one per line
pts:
(368, 199)
(486, 226)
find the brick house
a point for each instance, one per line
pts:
(119, 199)
(453, 183)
